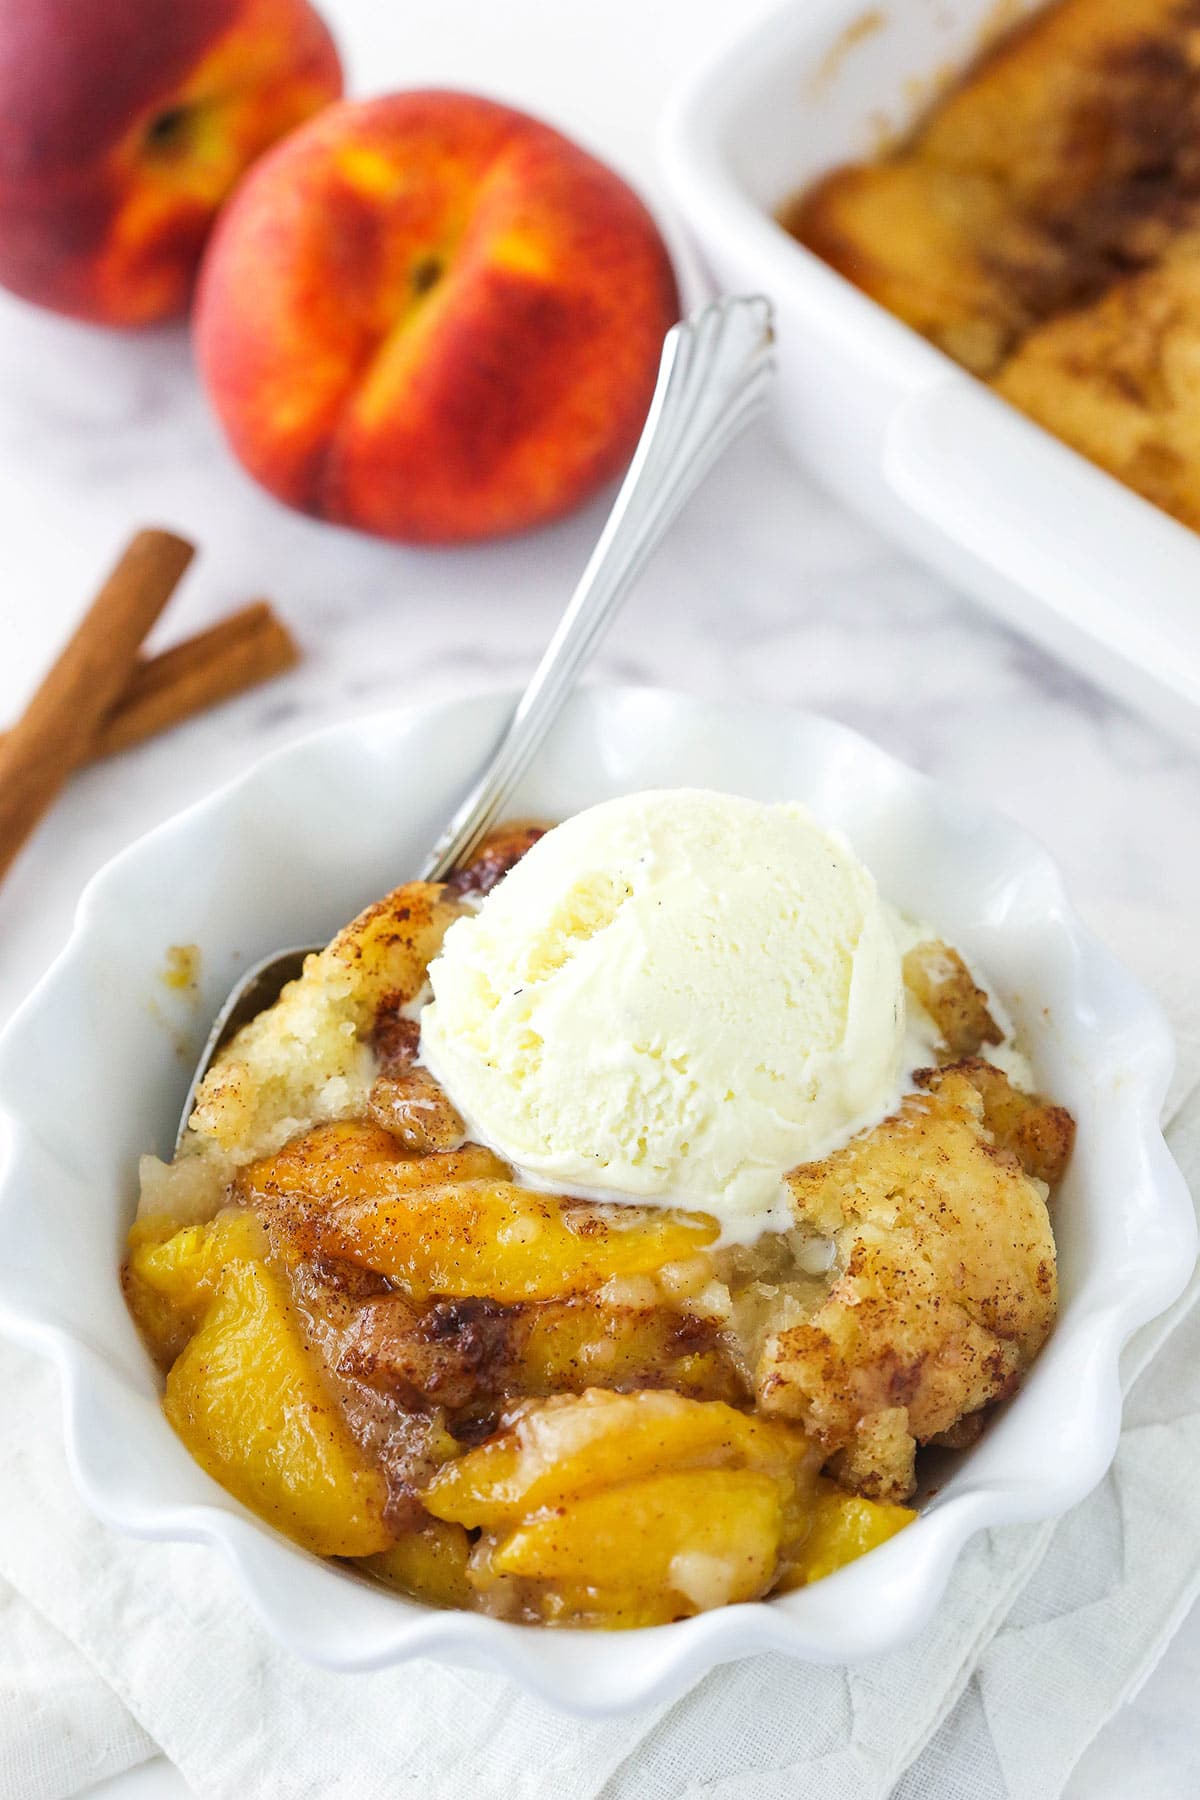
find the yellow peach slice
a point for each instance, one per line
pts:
(186, 1267)
(844, 1527)
(605, 1609)
(559, 1449)
(249, 1401)
(171, 1275)
(704, 1537)
(581, 1342)
(451, 1224)
(428, 1563)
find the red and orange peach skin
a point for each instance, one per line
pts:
(434, 318)
(123, 128)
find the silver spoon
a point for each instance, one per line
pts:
(713, 377)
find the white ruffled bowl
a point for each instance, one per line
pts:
(94, 1067)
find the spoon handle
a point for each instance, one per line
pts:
(714, 375)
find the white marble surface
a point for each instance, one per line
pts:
(765, 589)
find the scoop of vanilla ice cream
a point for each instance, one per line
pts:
(674, 997)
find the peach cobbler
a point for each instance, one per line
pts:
(596, 1238)
(1042, 226)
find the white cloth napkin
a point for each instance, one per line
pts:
(111, 1649)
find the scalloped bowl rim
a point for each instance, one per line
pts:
(115, 1432)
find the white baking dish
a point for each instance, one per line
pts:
(1057, 548)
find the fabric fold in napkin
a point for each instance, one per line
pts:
(111, 1648)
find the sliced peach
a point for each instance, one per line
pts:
(428, 1563)
(452, 1224)
(581, 1342)
(186, 1267)
(570, 1445)
(688, 1541)
(171, 1276)
(248, 1399)
(844, 1527)
(605, 1609)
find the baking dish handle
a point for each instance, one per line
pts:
(1074, 551)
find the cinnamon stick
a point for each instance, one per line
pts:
(60, 723)
(239, 652)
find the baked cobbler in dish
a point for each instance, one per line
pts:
(397, 1323)
(1042, 226)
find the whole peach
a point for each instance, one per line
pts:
(123, 126)
(434, 318)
